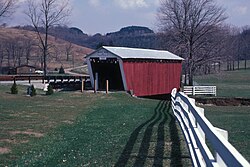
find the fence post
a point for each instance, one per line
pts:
(201, 112)
(96, 81)
(215, 93)
(95, 86)
(107, 86)
(193, 120)
(83, 85)
(198, 130)
(193, 90)
(219, 160)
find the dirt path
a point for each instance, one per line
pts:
(69, 71)
(224, 101)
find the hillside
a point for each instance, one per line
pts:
(18, 47)
(131, 36)
(131, 30)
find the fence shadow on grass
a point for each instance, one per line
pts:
(162, 115)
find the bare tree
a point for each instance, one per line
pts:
(68, 50)
(43, 15)
(233, 47)
(15, 50)
(191, 24)
(237, 46)
(1, 55)
(10, 47)
(56, 52)
(244, 41)
(7, 7)
(27, 47)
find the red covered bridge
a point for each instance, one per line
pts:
(144, 72)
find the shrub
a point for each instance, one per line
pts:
(61, 70)
(33, 91)
(50, 90)
(14, 89)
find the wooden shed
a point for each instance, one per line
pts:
(144, 72)
(25, 69)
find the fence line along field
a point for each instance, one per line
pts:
(234, 119)
(86, 129)
(231, 117)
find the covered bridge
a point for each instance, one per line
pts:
(143, 72)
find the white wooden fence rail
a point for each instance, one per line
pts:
(198, 131)
(200, 90)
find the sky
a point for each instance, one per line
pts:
(104, 16)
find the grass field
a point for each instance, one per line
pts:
(229, 83)
(75, 129)
(235, 120)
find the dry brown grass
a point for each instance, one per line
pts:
(28, 132)
(4, 150)
(57, 49)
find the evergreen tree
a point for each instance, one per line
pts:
(61, 70)
(14, 89)
(33, 91)
(50, 90)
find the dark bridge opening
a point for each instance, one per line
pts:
(107, 69)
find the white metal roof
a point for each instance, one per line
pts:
(136, 53)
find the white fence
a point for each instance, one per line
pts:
(198, 131)
(200, 90)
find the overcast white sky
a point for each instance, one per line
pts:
(103, 16)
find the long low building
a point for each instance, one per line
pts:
(142, 72)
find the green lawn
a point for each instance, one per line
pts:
(75, 129)
(229, 83)
(236, 121)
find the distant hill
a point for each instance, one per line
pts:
(131, 36)
(132, 30)
(18, 47)
(72, 34)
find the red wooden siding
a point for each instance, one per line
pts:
(152, 78)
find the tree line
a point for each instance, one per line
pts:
(195, 30)
(15, 51)
(43, 15)
(22, 48)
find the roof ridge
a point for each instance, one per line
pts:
(140, 53)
